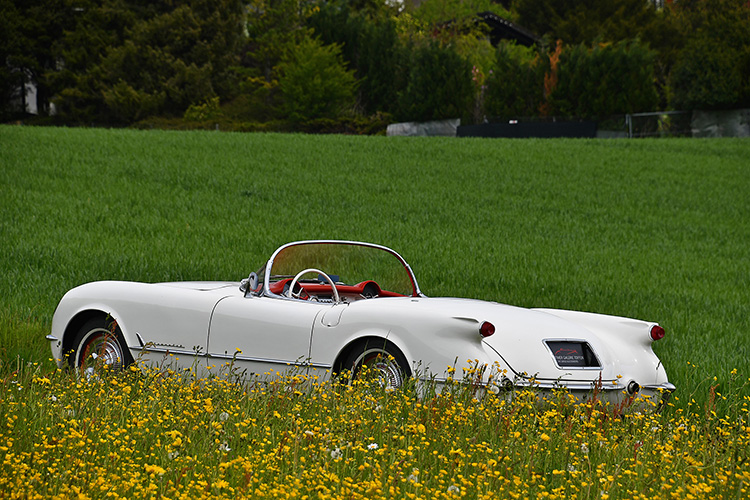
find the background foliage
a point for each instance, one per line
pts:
(121, 62)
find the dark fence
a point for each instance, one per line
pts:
(522, 129)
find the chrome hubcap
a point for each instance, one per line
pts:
(382, 367)
(99, 347)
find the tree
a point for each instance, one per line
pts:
(605, 80)
(712, 69)
(125, 60)
(439, 85)
(12, 75)
(315, 83)
(515, 88)
(273, 28)
(586, 21)
(370, 44)
(29, 32)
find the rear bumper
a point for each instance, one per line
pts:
(625, 398)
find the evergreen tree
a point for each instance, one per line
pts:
(515, 88)
(372, 48)
(315, 83)
(712, 69)
(609, 79)
(29, 33)
(125, 60)
(439, 85)
(586, 21)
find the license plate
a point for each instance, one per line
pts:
(573, 354)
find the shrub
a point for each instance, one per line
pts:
(128, 104)
(207, 110)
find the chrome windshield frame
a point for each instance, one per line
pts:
(267, 271)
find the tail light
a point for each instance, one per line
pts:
(657, 332)
(486, 329)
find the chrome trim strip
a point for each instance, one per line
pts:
(268, 360)
(578, 386)
(149, 348)
(667, 386)
(177, 352)
(523, 384)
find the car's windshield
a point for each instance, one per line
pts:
(345, 263)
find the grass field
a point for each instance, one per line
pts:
(650, 229)
(653, 229)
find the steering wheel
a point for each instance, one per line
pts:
(290, 293)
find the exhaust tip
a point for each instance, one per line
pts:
(633, 387)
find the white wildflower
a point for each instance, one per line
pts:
(372, 446)
(336, 454)
(453, 489)
(223, 416)
(224, 447)
(414, 476)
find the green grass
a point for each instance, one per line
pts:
(653, 229)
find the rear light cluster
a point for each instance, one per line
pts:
(657, 332)
(486, 329)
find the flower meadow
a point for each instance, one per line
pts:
(153, 433)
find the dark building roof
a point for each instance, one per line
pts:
(502, 29)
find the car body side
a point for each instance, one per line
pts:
(205, 324)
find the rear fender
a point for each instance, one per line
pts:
(628, 342)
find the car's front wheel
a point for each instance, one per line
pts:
(378, 360)
(99, 342)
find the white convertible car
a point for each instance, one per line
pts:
(341, 305)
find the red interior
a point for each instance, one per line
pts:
(325, 289)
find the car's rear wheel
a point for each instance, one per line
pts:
(378, 360)
(99, 342)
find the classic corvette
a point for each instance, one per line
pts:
(338, 306)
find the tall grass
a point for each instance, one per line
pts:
(653, 229)
(158, 434)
